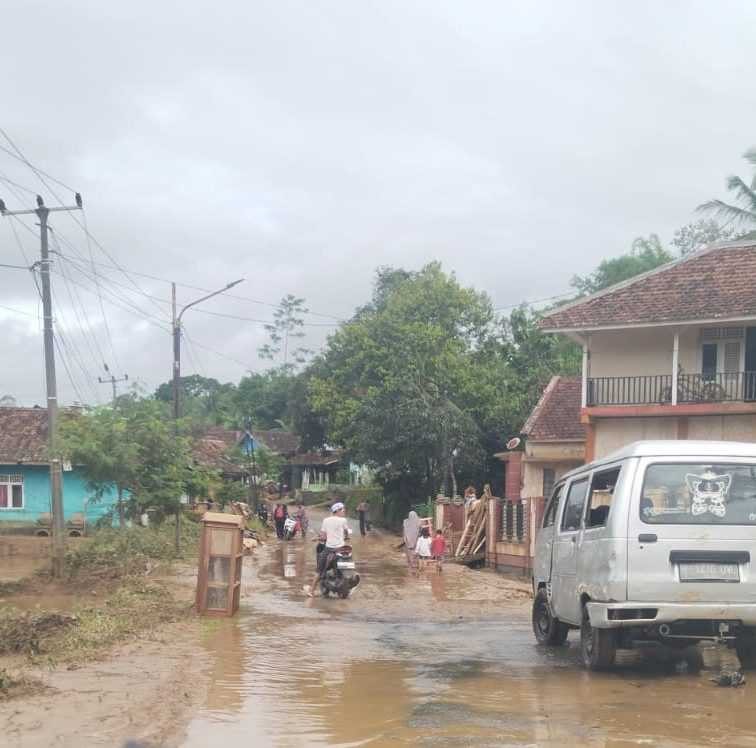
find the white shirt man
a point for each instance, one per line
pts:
(336, 527)
(336, 531)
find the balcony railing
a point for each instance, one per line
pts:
(657, 389)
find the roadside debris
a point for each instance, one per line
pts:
(729, 680)
(473, 540)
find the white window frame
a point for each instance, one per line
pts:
(720, 341)
(11, 480)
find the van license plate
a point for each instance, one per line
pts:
(700, 572)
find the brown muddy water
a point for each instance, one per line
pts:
(445, 660)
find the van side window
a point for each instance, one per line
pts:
(549, 516)
(573, 507)
(602, 491)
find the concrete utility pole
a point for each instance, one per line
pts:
(56, 478)
(177, 368)
(113, 380)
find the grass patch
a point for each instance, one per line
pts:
(113, 553)
(135, 606)
(10, 588)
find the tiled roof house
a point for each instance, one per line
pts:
(25, 472)
(670, 353)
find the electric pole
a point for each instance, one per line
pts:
(176, 327)
(56, 477)
(113, 381)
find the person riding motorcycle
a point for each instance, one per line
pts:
(334, 533)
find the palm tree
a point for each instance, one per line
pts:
(745, 195)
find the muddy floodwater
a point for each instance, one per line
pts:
(443, 660)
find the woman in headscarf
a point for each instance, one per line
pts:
(411, 531)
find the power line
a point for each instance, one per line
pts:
(20, 157)
(227, 295)
(200, 309)
(41, 176)
(99, 359)
(19, 311)
(99, 295)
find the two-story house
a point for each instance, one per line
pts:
(670, 354)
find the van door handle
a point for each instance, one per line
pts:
(647, 537)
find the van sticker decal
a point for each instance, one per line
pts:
(708, 492)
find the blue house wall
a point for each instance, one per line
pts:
(76, 495)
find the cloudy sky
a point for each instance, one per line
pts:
(301, 144)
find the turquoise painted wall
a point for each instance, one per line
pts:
(37, 495)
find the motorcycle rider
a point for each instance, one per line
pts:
(335, 530)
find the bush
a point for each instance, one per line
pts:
(115, 553)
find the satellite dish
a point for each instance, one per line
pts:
(514, 442)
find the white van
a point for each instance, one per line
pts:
(651, 544)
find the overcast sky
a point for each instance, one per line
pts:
(300, 145)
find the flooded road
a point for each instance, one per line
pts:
(443, 660)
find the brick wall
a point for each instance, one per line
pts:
(513, 476)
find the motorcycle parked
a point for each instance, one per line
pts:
(291, 527)
(339, 577)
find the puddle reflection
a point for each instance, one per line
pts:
(290, 673)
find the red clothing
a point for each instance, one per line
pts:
(438, 546)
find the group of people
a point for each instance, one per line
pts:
(281, 514)
(422, 550)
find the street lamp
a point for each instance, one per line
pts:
(177, 368)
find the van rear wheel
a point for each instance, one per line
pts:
(548, 630)
(598, 646)
(745, 646)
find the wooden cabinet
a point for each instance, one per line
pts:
(220, 564)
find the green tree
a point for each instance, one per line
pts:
(100, 441)
(133, 447)
(284, 332)
(398, 384)
(694, 236)
(263, 398)
(745, 195)
(645, 255)
(202, 398)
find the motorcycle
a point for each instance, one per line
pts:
(339, 577)
(291, 528)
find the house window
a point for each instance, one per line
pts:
(548, 482)
(731, 357)
(721, 351)
(709, 360)
(11, 491)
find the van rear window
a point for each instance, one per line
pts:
(699, 494)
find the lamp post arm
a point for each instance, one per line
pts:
(205, 298)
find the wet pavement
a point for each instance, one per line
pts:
(441, 660)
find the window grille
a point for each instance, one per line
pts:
(11, 478)
(715, 333)
(513, 521)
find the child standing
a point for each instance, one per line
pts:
(423, 548)
(438, 550)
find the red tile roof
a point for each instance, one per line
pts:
(23, 435)
(556, 417)
(716, 283)
(212, 444)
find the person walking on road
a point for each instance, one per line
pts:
(411, 531)
(438, 550)
(363, 509)
(335, 531)
(423, 549)
(280, 513)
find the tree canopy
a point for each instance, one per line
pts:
(744, 191)
(425, 374)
